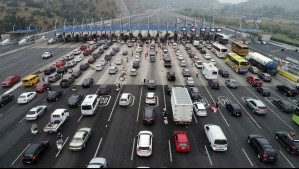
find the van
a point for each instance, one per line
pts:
(90, 105)
(30, 80)
(126, 99)
(216, 137)
(209, 71)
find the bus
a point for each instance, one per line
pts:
(219, 50)
(221, 38)
(237, 63)
(240, 49)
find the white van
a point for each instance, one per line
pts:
(216, 137)
(126, 99)
(90, 105)
(209, 71)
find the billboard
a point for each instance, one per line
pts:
(251, 19)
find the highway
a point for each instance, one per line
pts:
(114, 128)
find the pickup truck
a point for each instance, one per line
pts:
(11, 81)
(58, 117)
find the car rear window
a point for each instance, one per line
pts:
(220, 142)
(262, 107)
(86, 107)
(183, 144)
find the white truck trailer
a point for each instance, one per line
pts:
(182, 106)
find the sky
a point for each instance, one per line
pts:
(231, 1)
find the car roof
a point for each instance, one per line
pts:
(182, 137)
(150, 94)
(144, 139)
(79, 134)
(32, 148)
(200, 106)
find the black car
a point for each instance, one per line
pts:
(4, 99)
(194, 93)
(104, 90)
(112, 53)
(54, 95)
(265, 77)
(108, 57)
(34, 152)
(116, 49)
(234, 109)
(171, 76)
(87, 83)
(136, 64)
(67, 82)
(105, 47)
(168, 89)
(84, 66)
(287, 90)
(213, 83)
(49, 70)
(149, 115)
(101, 51)
(186, 73)
(203, 52)
(76, 73)
(223, 73)
(284, 106)
(54, 78)
(75, 100)
(151, 84)
(264, 91)
(265, 151)
(62, 70)
(289, 140)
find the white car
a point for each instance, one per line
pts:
(133, 72)
(180, 57)
(150, 98)
(78, 58)
(183, 63)
(199, 109)
(178, 53)
(144, 144)
(71, 63)
(35, 113)
(103, 62)
(119, 61)
(212, 61)
(97, 162)
(207, 56)
(47, 55)
(80, 139)
(77, 52)
(198, 64)
(122, 42)
(99, 67)
(26, 97)
(190, 81)
(137, 58)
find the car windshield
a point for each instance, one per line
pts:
(86, 107)
(183, 144)
(31, 112)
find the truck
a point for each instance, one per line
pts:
(264, 63)
(182, 106)
(209, 71)
(57, 119)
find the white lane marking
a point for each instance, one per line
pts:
(287, 160)
(269, 100)
(62, 147)
(132, 155)
(1, 115)
(139, 104)
(115, 104)
(170, 153)
(19, 155)
(247, 157)
(95, 155)
(21, 120)
(105, 100)
(80, 118)
(163, 95)
(208, 155)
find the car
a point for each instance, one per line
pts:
(54, 95)
(103, 62)
(104, 90)
(84, 66)
(71, 63)
(49, 70)
(78, 58)
(60, 63)
(255, 81)
(181, 142)
(66, 82)
(5, 99)
(105, 47)
(68, 57)
(99, 67)
(223, 73)
(136, 64)
(42, 87)
(113, 70)
(213, 83)
(189, 81)
(203, 51)
(35, 113)
(186, 73)
(253, 69)
(151, 84)
(96, 55)
(10, 81)
(265, 77)
(183, 63)
(62, 70)
(289, 140)
(54, 78)
(207, 56)
(284, 106)
(264, 91)
(80, 139)
(130, 45)
(83, 47)
(234, 109)
(194, 93)
(256, 106)
(26, 97)
(133, 72)
(112, 53)
(87, 82)
(87, 52)
(198, 64)
(91, 60)
(75, 100)
(231, 83)
(119, 61)
(101, 51)
(125, 53)
(76, 52)
(47, 55)
(287, 90)
(150, 98)
(76, 73)
(199, 109)
(97, 162)
(180, 57)
(209, 47)
(171, 76)
(144, 146)
(149, 116)
(137, 58)
(34, 152)
(213, 61)
(116, 49)
(108, 57)
(263, 148)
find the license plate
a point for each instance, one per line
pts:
(271, 158)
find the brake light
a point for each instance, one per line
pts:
(34, 158)
(294, 147)
(265, 156)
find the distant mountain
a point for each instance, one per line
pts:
(253, 5)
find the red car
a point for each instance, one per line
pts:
(8, 82)
(42, 87)
(255, 81)
(181, 142)
(87, 52)
(60, 63)
(83, 47)
(91, 60)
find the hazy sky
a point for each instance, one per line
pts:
(231, 1)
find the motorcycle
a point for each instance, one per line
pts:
(34, 131)
(59, 145)
(165, 119)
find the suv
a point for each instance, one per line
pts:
(151, 84)
(34, 152)
(49, 70)
(149, 115)
(265, 151)
(256, 106)
(234, 109)
(67, 82)
(284, 106)
(194, 93)
(287, 90)
(213, 83)
(289, 140)
(104, 90)
(255, 81)
(265, 77)
(4, 99)
(171, 76)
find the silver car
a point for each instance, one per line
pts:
(231, 83)
(256, 106)
(80, 139)
(99, 67)
(35, 113)
(190, 81)
(97, 162)
(103, 62)
(113, 70)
